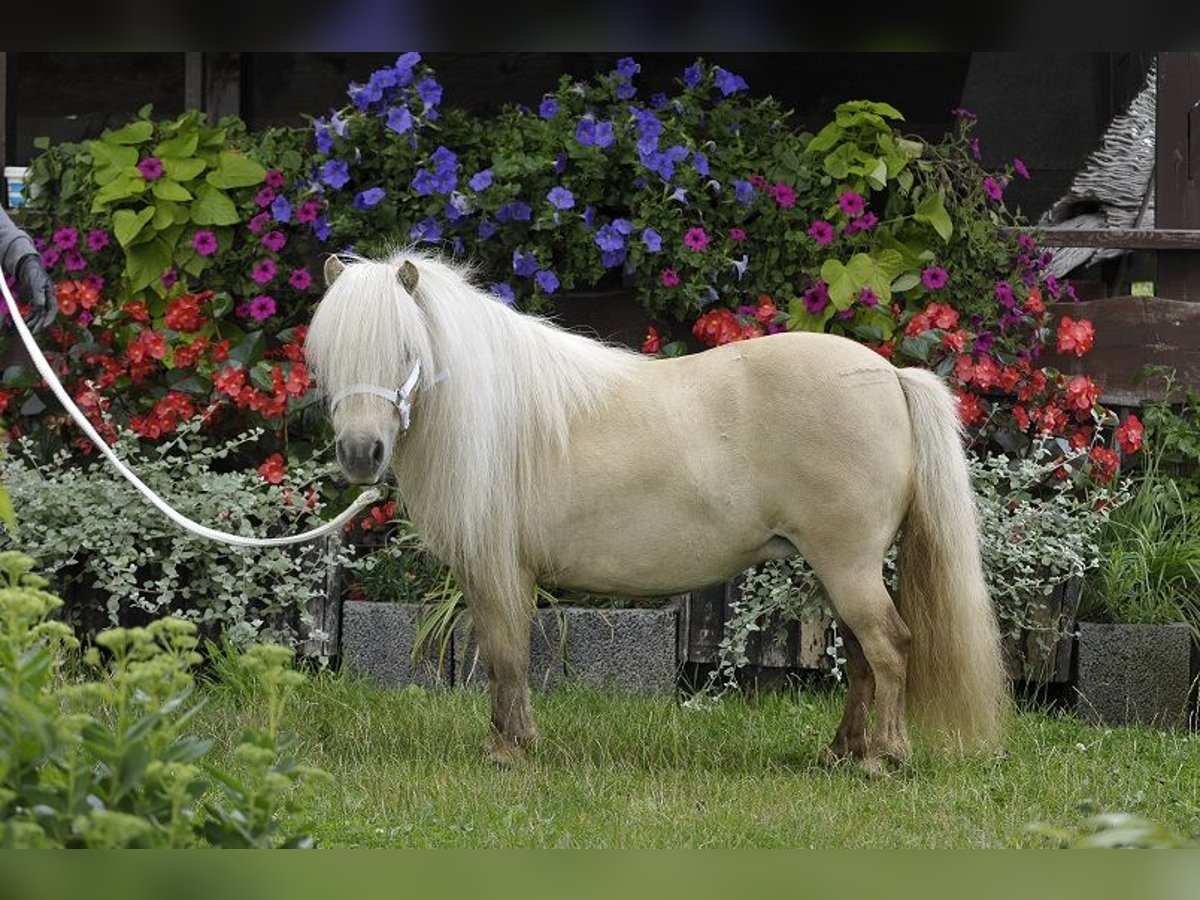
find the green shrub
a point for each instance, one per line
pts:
(108, 761)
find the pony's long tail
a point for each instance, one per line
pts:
(957, 684)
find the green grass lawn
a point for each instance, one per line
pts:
(634, 772)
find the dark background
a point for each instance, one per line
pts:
(1047, 108)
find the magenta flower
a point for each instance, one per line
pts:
(868, 297)
(852, 203)
(204, 242)
(151, 168)
(821, 232)
(66, 238)
(862, 223)
(816, 298)
(265, 197)
(73, 261)
(993, 188)
(275, 179)
(85, 318)
(737, 234)
(308, 210)
(264, 271)
(50, 257)
(300, 279)
(934, 278)
(261, 307)
(960, 112)
(1020, 168)
(274, 241)
(696, 238)
(259, 222)
(784, 194)
(670, 278)
(97, 239)
(169, 277)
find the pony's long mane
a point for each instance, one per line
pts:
(510, 387)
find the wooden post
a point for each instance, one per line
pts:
(212, 83)
(1177, 170)
(3, 110)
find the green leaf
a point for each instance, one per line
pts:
(250, 350)
(179, 147)
(876, 272)
(213, 207)
(146, 263)
(110, 160)
(878, 175)
(842, 282)
(184, 169)
(235, 170)
(906, 282)
(127, 224)
(7, 516)
(800, 319)
(260, 377)
(222, 303)
(826, 139)
(932, 211)
(134, 133)
(41, 143)
(167, 214)
(169, 189)
(120, 188)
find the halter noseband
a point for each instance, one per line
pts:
(401, 399)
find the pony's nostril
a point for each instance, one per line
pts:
(377, 453)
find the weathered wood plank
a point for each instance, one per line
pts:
(1176, 183)
(1121, 238)
(1132, 332)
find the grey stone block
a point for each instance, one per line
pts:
(377, 642)
(546, 666)
(1134, 674)
(630, 649)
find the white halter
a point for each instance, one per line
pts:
(401, 398)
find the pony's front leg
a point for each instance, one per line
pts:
(502, 629)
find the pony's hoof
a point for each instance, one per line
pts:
(503, 752)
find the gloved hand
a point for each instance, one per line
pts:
(37, 290)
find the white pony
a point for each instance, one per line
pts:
(538, 456)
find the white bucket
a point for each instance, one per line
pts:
(15, 176)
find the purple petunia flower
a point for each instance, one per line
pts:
(428, 230)
(974, 145)
(516, 211)
(204, 242)
(274, 179)
(323, 135)
(430, 92)
(503, 293)
(627, 67)
(727, 82)
(263, 271)
(865, 222)
(335, 173)
(547, 281)
(993, 188)
(652, 239)
(97, 239)
(743, 192)
(300, 279)
(692, 75)
(74, 261)
(486, 229)
(624, 90)
(852, 203)
(623, 226)
(66, 239)
(695, 239)
(444, 160)
(1020, 168)
(265, 197)
(560, 197)
(281, 209)
(867, 297)
(261, 307)
(609, 239)
(366, 199)
(424, 183)
(816, 298)
(274, 241)
(308, 210)
(524, 264)
(548, 108)
(983, 343)
(589, 216)
(821, 231)
(457, 207)
(612, 259)
(934, 278)
(481, 180)
(700, 164)
(151, 168)
(960, 112)
(399, 119)
(260, 222)
(321, 228)
(170, 277)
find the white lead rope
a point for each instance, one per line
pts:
(364, 499)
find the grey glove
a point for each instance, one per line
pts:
(37, 290)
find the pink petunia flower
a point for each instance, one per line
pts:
(259, 222)
(151, 168)
(864, 222)
(670, 278)
(261, 307)
(737, 234)
(308, 210)
(696, 238)
(204, 242)
(265, 197)
(784, 194)
(993, 188)
(1020, 168)
(300, 279)
(934, 278)
(821, 231)
(66, 239)
(852, 203)
(264, 271)
(73, 261)
(274, 241)
(97, 239)
(275, 179)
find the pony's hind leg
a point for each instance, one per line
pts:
(862, 602)
(503, 634)
(850, 742)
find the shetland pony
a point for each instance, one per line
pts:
(528, 455)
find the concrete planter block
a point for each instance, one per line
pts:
(546, 666)
(377, 642)
(1131, 674)
(630, 649)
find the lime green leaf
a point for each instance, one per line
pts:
(878, 175)
(167, 214)
(41, 143)
(147, 262)
(213, 207)
(800, 319)
(932, 211)
(183, 169)
(110, 160)
(826, 139)
(127, 224)
(906, 282)
(133, 133)
(180, 146)
(118, 189)
(169, 189)
(7, 516)
(235, 170)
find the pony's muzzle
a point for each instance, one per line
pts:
(361, 458)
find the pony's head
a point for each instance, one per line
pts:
(368, 348)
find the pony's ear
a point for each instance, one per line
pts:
(407, 275)
(333, 268)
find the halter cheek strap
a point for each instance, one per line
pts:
(401, 399)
